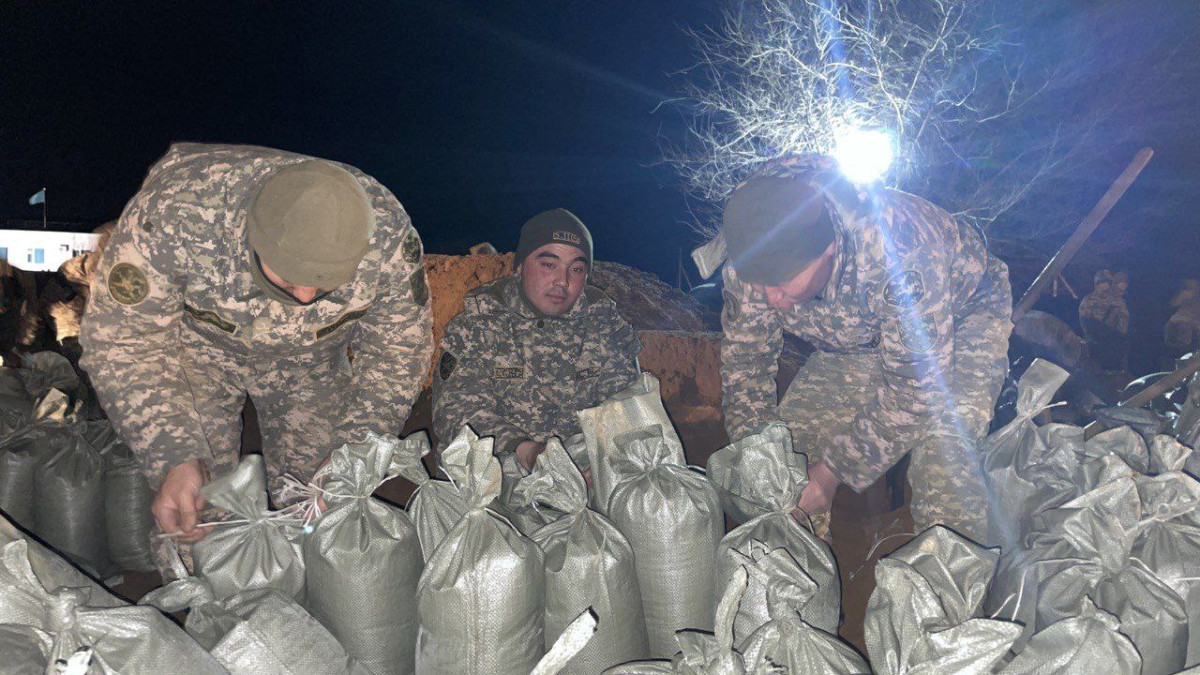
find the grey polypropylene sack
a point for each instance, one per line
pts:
(925, 614)
(636, 407)
(279, 637)
(1187, 424)
(362, 561)
(69, 509)
(1088, 644)
(527, 518)
(53, 571)
(1147, 423)
(259, 548)
(25, 649)
(671, 516)
(589, 564)
(16, 404)
(21, 453)
(761, 477)
(480, 598)
(436, 506)
(1010, 452)
(714, 654)
(127, 499)
(1168, 543)
(1082, 553)
(125, 639)
(785, 640)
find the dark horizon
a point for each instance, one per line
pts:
(480, 115)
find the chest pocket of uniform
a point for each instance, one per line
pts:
(211, 318)
(345, 319)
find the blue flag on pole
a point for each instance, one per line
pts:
(38, 197)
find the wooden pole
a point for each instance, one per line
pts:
(1189, 368)
(1081, 234)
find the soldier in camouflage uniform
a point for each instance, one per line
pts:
(910, 316)
(1104, 318)
(530, 350)
(241, 271)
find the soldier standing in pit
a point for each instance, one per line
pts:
(1104, 318)
(241, 271)
(910, 316)
(531, 349)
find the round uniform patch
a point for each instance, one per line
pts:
(127, 284)
(905, 289)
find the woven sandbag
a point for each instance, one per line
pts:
(125, 639)
(362, 561)
(20, 455)
(127, 500)
(69, 510)
(436, 506)
(671, 516)
(260, 551)
(585, 545)
(638, 406)
(761, 478)
(480, 598)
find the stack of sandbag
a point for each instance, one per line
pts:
(672, 518)
(480, 599)
(53, 571)
(1082, 553)
(760, 478)
(638, 406)
(436, 506)
(256, 548)
(589, 564)
(363, 561)
(69, 496)
(926, 612)
(127, 500)
(59, 623)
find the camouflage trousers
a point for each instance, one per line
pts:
(298, 404)
(945, 475)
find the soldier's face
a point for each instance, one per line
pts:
(804, 286)
(303, 294)
(553, 276)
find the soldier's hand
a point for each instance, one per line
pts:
(527, 454)
(817, 496)
(178, 503)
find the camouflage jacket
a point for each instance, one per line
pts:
(516, 375)
(1104, 316)
(175, 277)
(901, 282)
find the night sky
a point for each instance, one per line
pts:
(479, 115)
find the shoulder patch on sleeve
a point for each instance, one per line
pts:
(420, 289)
(905, 289)
(127, 284)
(412, 247)
(731, 307)
(446, 365)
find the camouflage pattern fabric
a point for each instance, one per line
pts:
(177, 333)
(1104, 318)
(514, 374)
(912, 338)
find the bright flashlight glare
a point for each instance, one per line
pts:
(863, 155)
